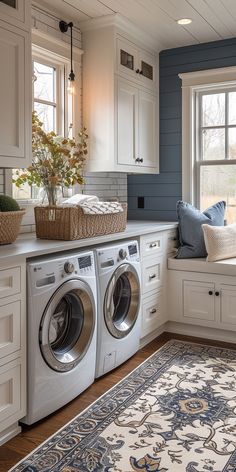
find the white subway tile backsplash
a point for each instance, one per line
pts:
(106, 185)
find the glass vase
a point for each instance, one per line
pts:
(52, 194)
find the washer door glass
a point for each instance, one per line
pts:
(122, 300)
(67, 326)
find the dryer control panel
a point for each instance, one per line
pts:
(111, 256)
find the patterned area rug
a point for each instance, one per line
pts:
(176, 412)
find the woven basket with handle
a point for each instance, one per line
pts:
(10, 222)
(71, 223)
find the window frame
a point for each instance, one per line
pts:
(194, 84)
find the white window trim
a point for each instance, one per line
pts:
(44, 46)
(191, 83)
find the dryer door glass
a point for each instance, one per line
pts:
(67, 326)
(122, 300)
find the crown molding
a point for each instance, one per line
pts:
(118, 21)
(223, 74)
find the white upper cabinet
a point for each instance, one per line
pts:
(135, 63)
(16, 12)
(120, 104)
(15, 94)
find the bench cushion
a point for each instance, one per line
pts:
(224, 267)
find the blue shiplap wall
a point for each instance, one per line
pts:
(162, 191)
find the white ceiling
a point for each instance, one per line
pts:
(212, 19)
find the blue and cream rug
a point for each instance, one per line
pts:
(176, 412)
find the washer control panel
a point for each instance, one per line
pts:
(48, 272)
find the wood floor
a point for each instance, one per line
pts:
(31, 437)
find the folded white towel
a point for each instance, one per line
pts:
(101, 208)
(77, 199)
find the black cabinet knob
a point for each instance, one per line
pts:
(210, 292)
(217, 294)
(137, 71)
(141, 160)
(141, 72)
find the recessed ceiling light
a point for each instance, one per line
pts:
(184, 21)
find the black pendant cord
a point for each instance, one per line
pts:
(63, 26)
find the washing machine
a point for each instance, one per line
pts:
(62, 331)
(119, 314)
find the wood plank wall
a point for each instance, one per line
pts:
(162, 191)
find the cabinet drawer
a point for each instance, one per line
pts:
(10, 390)
(9, 282)
(152, 314)
(10, 328)
(199, 300)
(152, 274)
(151, 245)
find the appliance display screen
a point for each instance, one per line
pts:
(85, 261)
(132, 249)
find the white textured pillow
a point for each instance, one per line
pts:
(220, 241)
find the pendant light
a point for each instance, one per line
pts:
(63, 26)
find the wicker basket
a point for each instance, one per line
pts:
(71, 223)
(10, 222)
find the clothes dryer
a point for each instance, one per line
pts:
(119, 315)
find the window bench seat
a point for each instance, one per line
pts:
(202, 298)
(224, 267)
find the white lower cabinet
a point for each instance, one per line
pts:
(154, 250)
(12, 349)
(202, 299)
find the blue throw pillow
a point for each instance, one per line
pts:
(190, 227)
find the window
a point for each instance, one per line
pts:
(209, 140)
(53, 104)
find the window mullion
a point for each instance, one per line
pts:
(226, 125)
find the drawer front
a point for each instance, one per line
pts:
(9, 282)
(10, 390)
(152, 314)
(10, 328)
(151, 245)
(152, 274)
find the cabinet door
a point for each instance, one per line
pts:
(227, 296)
(127, 58)
(148, 129)
(15, 97)
(16, 12)
(127, 123)
(147, 68)
(199, 300)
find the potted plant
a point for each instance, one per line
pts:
(10, 219)
(57, 161)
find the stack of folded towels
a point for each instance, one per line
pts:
(91, 205)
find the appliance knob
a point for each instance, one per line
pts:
(122, 253)
(69, 267)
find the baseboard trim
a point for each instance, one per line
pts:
(9, 433)
(150, 337)
(200, 332)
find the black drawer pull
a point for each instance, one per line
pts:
(153, 276)
(152, 311)
(217, 294)
(210, 292)
(152, 245)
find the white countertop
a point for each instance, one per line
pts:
(27, 246)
